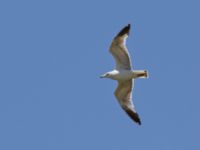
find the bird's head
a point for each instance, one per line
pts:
(106, 75)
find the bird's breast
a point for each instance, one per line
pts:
(123, 75)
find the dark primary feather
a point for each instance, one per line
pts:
(125, 30)
(133, 115)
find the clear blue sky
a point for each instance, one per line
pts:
(51, 56)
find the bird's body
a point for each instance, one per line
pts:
(124, 74)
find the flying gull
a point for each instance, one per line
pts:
(124, 74)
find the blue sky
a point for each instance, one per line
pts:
(51, 56)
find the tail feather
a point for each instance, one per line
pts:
(146, 74)
(140, 74)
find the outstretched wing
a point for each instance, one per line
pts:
(119, 51)
(123, 94)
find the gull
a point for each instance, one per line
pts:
(124, 74)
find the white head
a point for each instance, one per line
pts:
(106, 75)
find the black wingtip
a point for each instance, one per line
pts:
(134, 116)
(125, 30)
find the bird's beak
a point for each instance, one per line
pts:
(102, 76)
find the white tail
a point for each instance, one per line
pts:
(140, 74)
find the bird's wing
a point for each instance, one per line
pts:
(119, 51)
(123, 94)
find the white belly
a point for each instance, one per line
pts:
(122, 75)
